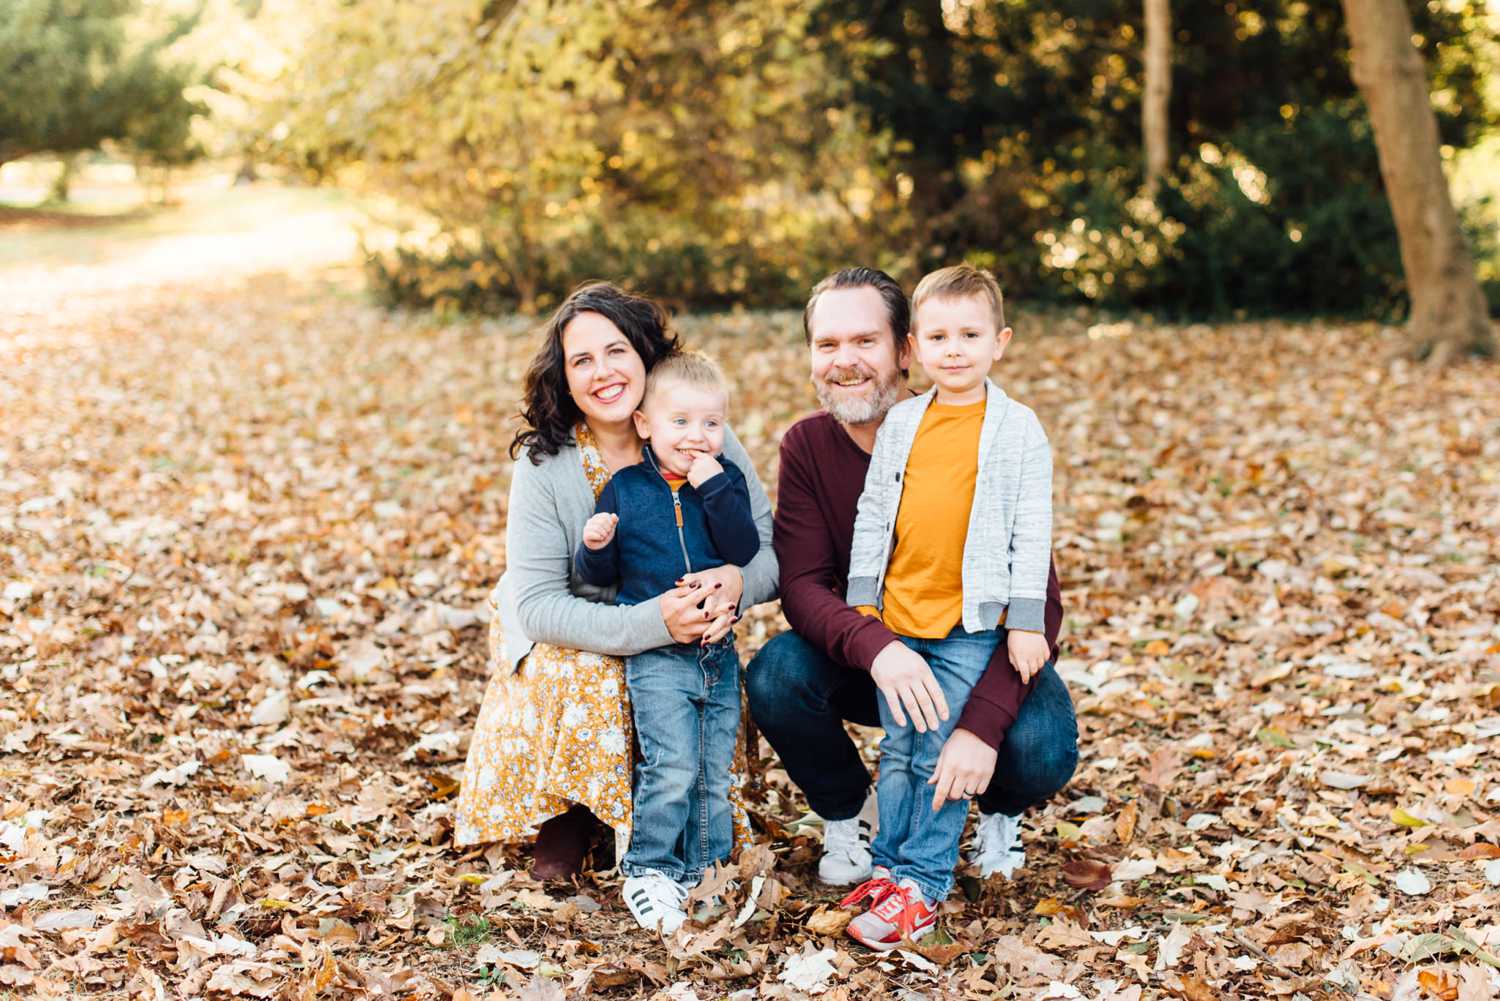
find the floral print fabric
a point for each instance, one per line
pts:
(555, 732)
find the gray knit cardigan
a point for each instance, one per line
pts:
(1008, 547)
(541, 600)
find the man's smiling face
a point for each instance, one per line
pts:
(856, 364)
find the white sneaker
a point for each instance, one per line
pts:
(846, 845)
(655, 901)
(997, 845)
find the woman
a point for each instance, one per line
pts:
(552, 744)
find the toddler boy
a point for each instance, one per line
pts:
(682, 509)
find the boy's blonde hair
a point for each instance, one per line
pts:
(960, 282)
(691, 368)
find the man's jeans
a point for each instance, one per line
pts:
(686, 704)
(799, 699)
(914, 842)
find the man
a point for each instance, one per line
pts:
(1015, 743)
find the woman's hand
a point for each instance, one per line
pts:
(685, 621)
(704, 606)
(725, 583)
(725, 586)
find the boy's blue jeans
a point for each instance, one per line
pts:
(686, 704)
(913, 841)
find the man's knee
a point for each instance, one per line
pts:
(785, 671)
(1041, 759)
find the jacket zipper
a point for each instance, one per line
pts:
(681, 541)
(676, 512)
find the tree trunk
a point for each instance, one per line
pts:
(62, 184)
(1158, 44)
(1449, 315)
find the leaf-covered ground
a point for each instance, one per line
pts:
(248, 521)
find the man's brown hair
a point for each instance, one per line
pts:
(960, 282)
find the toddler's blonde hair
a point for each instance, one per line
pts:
(691, 368)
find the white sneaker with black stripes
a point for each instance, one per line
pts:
(997, 845)
(846, 845)
(655, 901)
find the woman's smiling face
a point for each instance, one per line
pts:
(606, 376)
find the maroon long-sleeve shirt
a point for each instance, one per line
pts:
(822, 474)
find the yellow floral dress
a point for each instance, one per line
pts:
(557, 731)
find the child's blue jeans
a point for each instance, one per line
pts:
(686, 704)
(913, 841)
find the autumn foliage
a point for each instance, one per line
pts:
(248, 523)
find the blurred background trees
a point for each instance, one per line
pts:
(79, 73)
(721, 152)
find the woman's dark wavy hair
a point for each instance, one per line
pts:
(548, 413)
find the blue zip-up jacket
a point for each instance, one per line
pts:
(663, 534)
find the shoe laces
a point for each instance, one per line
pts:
(913, 902)
(877, 888)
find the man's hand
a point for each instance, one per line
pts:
(599, 529)
(1028, 652)
(905, 679)
(704, 468)
(964, 768)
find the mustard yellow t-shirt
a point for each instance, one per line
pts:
(924, 584)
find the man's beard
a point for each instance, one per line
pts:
(864, 410)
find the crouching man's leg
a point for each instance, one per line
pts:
(799, 699)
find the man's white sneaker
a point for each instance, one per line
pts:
(997, 845)
(655, 901)
(846, 845)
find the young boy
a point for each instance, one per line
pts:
(953, 540)
(678, 511)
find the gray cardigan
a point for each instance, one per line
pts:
(1008, 548)
(541, 600)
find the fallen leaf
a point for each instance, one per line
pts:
(1405, 819)
(826, 921)
(1439, 984)
(808, 971)
(1412, 882)
(266, 766)
(1086, 874)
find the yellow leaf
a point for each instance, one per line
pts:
(324, 975)
(1460, 787)
(1048, 906)
(1158, 648)
(1405, 819)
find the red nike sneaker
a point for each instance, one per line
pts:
(902, 914)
